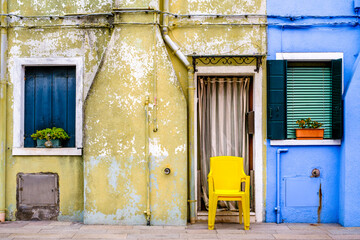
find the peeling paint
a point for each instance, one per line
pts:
(114, 171)
(108, 184)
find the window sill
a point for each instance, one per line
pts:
(327, 142)
(47, 152)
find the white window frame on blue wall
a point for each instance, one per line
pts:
(18, 74)
(318, 57)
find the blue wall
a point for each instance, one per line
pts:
(298, 163)
(339, 165)
(349, 202)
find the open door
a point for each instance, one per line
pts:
(224, 129)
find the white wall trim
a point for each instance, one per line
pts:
(314, 56)
(46, 152)
(18, 74)
(326, 142)
(259, 147)
(310, 56)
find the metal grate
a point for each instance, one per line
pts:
(37, 196)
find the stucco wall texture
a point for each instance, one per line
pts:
(340, 187)
(123, 64)
(43, 43)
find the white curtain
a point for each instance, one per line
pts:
(223, 104)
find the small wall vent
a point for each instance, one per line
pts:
(37, 196)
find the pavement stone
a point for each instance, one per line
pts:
(262, 231)
(96, 227)
(300, 236)
(99, 236)
(60, 223)
(200, 231)
(4, 235)
(148, 227)
(344, 231)
(67, 230)
(341, 237)
(31, 238)
(154, 236)
(229, 231)
(302, 226)
(41, 235)
(245, 236)
(124, 231)
(304, 232)
(19, 230)
(198, 236)
(175, 227)
(58, 231)
(12, 224)
(158, 231)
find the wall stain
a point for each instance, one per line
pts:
(320, 205)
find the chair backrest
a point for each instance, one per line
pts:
(227, 172)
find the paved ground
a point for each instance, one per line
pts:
(68, 230)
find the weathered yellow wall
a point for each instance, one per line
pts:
(217, 6)
(115, 179)
(51, 42)
(71, 181)
(46, 7)
(114, 176)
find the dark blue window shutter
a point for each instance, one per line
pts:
(71, 105)
(29, 122)
(276, 99)
(337, 104)
(50, 101)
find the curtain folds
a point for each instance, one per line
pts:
(223, 104)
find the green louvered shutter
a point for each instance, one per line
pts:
(336, 66)
(309, 94)
(276, 99)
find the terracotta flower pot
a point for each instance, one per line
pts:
(310, 134)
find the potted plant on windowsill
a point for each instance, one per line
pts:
(50, 137)
(309, 130)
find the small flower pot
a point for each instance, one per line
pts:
(40, 143)
(309, 134)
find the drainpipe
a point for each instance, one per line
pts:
(191, 104)
(191, 92)
(3, 86)
(278, 175)
(147, 159)
(155, 129)
(170, 42)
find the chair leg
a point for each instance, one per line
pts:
(240, 212)
(212, 212)
(246, 211)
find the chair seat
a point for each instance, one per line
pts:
(229, 193)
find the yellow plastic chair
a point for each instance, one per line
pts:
(225, 178)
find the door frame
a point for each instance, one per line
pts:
(259, 148)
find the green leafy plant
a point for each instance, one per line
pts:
(301, 123)
(50, 133)
(308, 123)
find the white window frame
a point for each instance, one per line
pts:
(18, 74)
(310, 56)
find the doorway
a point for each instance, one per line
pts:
(225, 126)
